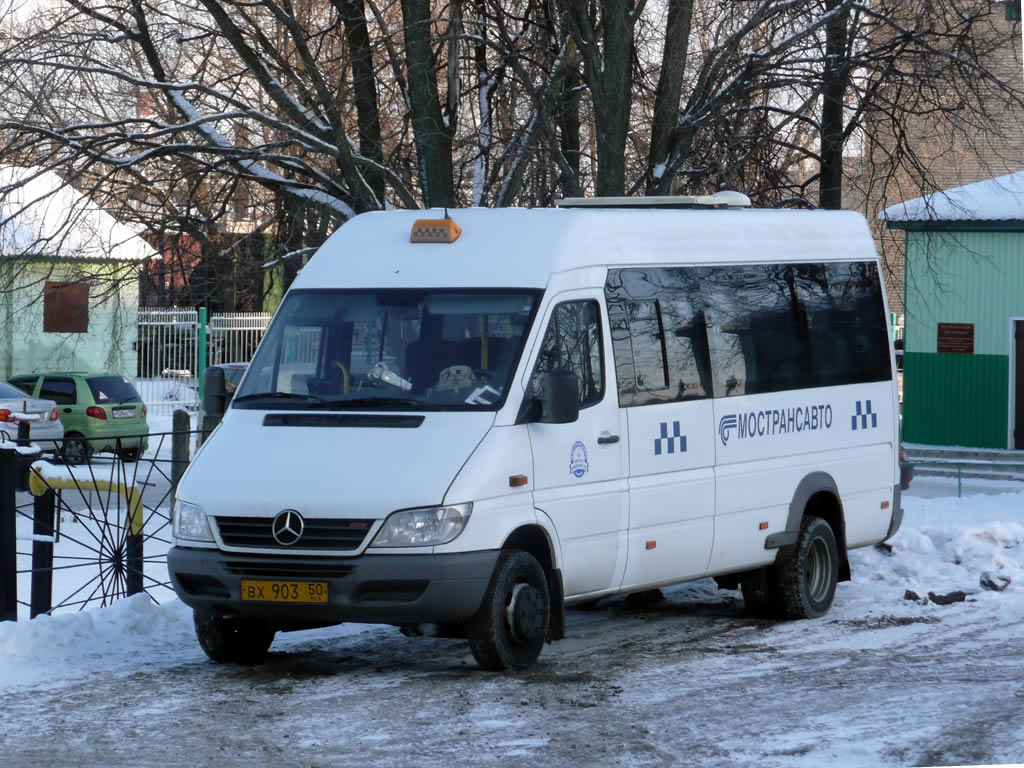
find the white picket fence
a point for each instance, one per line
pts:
(168, 347)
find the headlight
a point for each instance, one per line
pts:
(423, 527)
(190, 522)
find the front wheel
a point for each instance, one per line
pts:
(807, 580)
(509, 629)
(232, 640)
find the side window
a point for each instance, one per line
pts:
(659, 337)
(848, 333)
(25, 383)
(757, 329)
(61, 391)
(776, 327)
(572, 342)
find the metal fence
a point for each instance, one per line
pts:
(176, 345)
(74, 536)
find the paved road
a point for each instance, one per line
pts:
(689, 682)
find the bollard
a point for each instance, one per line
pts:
(8, 546)
(43, 527)
(134, 545)
(179, 448)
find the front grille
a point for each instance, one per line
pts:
(256, 533)
(288, 569)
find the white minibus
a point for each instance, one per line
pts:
(461, 422)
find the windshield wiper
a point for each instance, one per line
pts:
(384, 402)
(284, 395)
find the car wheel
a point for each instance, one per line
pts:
(76, 450)
(232, 640)
(511, 626)
(807, 579)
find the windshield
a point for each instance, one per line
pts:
(395, 349)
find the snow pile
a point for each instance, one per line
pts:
(131, 631)
(945, 546)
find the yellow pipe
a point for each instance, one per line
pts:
(38, 485)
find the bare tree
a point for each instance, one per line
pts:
(254, 129)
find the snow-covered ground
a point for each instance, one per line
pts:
(881, 680)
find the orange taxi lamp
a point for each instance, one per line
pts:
(435, 231)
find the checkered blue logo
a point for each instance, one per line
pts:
(674, 443)
(863, 412)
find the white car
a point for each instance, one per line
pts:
(45, 428)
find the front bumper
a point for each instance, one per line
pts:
(372, 589)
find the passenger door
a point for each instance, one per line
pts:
(662, 372)
(579, 479)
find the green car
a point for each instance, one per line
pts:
(101, 412)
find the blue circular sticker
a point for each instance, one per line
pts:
(578, 459)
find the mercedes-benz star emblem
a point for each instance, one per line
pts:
(287, 527)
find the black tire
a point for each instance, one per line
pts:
(807, 579)
(761, 594)
(76, 450)
(232, 640)
(509, 629)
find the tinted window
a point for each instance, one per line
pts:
(760, 328)
(757, 329)
(25, 383)
(572, 342)
(775, 327)
(846, 322)
(61, 391)
(658, 335)
(112, 389)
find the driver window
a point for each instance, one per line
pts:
(572, 342)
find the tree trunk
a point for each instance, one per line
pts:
(611, 78)
(364, 86)
(433, 137)
(833, 94)
(666, 97)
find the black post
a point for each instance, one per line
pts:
(181, 425)
(8, 546)
(44, 524)
(133, 579)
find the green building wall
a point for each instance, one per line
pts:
(113, 318)
(972, 277)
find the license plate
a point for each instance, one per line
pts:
(261, 591)
(124, 413)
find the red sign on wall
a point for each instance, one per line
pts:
(956, 338)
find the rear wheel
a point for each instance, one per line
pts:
(509, 629)
(76, 449)
(807, 580)
(232, 640)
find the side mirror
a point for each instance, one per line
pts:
(561, 402)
